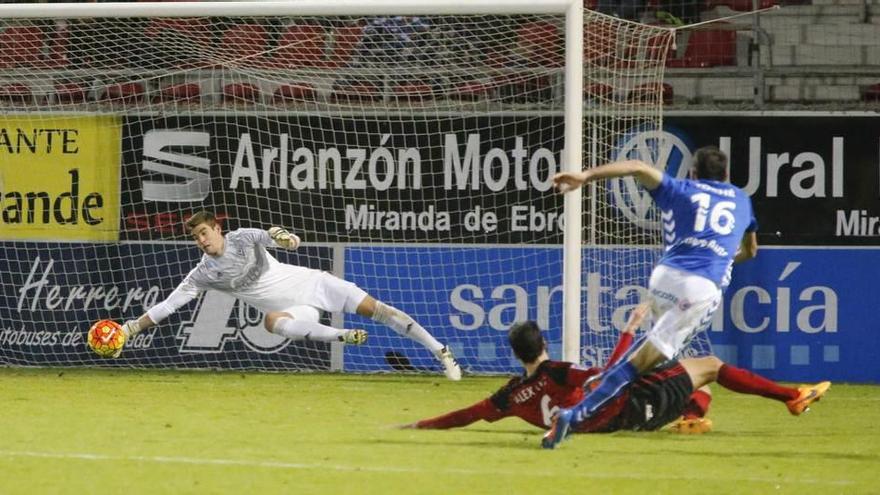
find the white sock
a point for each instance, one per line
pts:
(306, 330)
(404, 325)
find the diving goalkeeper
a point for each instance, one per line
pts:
(292, 297)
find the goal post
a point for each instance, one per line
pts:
(410, 144)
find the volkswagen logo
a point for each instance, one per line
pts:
(661, 149)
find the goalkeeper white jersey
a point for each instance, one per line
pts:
(246, 271)
(243, 262)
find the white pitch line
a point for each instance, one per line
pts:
(396, 469)
(835, 399)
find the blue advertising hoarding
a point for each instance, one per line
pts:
(791, 314)
(53, 292)
(803, 314)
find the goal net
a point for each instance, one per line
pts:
(413, 156)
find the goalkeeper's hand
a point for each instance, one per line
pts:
(283, 238)
(129, 329)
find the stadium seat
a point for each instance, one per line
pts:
(502, 58)
(523, 88)
(649, 93)
(15, 93)
(243, 45)
(21, 46)
(183, 92)
(740, 5)
(871, 93)
(301, 45)
(241, 93)
(597, 91)
(197, 29)
(354, 92)
(294, 92)
(707, 48)
(470, 91)
(181, 42)
(599, 42)
(126, 93)
(640, 52)
(70, 93)
(416, 91)
(541, 44)
(345, 42)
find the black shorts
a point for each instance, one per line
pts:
(657, 399)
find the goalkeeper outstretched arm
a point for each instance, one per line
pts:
(184, 293)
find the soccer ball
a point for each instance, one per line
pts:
(106, 338)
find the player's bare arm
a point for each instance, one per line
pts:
(748, 248)
(636, 318)
(647, 175)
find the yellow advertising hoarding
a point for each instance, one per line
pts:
(59, 177)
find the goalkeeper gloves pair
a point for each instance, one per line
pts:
(283, 238)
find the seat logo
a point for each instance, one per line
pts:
(191, 174)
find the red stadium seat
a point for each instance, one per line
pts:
(21, 46)
(300, 46)
(740, 5)
(15, 93)
(470, 91)
(871, 93)
(241, 93)
(183, 92)
(288, 93)
(197, 29)
(70, 93)
(598, 91)
(345, 42)
(639, 52)
(600, 41)
(541, 44)
(523, 88)
(355, 92)
(413, 92)
(707, 48)
(126, 93)
(243, 44)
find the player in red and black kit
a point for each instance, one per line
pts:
(666, 393)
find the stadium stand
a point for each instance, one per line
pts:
(824, 52)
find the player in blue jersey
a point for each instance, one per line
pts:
(708, 224)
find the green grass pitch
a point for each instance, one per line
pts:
(152, 432)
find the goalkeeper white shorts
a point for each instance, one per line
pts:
(334, 294)
(682, 304)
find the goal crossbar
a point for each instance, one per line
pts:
(278, 8)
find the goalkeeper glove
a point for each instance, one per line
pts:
(129, 330)
(283, 238)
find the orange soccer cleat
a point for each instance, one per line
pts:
(808, 395)
(692, 426)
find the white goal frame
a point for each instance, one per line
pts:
(573, 98)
